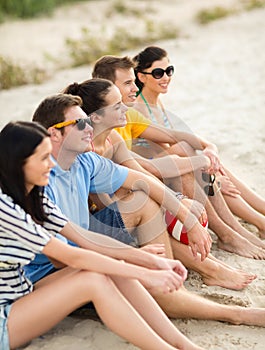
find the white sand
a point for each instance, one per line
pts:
(218, 89)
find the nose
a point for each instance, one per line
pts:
(134, 87)
(89, 128)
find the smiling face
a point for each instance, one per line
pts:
(158, 86)
(125, 81)
(74, 140)
(113, 115)
(38, 166)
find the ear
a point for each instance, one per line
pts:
(141, 77)
(56, 135)
(95, 118)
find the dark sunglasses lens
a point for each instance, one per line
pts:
(157, 73)
(170, 71)
(81, 124)
(209, 190)
(206, 177)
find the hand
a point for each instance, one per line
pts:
(214, 158)
(165, 281)
(157, 249)
(227, 186)
(170, 264)
(178, 268)
(200, 241)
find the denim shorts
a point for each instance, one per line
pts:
(4, 340)
(108, 221)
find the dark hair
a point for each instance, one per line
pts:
(106, 66)
(51, 110)
(145, 59)
(93, 93)
(18, 141)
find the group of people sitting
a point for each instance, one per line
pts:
(102, 200)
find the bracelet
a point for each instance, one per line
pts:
(180, 196)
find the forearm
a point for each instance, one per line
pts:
(195, 141)
(173, 166)
(83, 259)
(105, 245)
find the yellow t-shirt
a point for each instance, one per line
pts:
(136, 124)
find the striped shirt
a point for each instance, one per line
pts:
(20, 240)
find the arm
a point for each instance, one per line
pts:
(160, 134)
(199, 239)
(121, 155)
(164, 167)
(83, 259)
(113, 248)
(172, 165)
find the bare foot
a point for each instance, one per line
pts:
(230, 278)
(251, 237)
(241, 246)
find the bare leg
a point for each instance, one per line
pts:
(226, 215)
(145, 219)
(243, 210)
(213, 271)
(39, 311)
(151, 313)
(183, 304)
(250, 196)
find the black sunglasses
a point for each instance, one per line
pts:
(158, 73)
(210, 178)
(80, 123)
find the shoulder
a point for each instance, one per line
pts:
(134, 116)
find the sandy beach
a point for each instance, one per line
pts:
(218, 90)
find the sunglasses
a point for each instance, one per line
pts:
(158, 73)
(210, 178)
(80, 123)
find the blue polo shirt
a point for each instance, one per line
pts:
(69, 190)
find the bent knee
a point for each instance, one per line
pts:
(93, 280)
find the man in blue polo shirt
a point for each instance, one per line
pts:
(137, 219)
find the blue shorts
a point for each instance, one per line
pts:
(4, 313)
(108, 221)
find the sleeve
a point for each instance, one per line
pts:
(138, 123)
(17, 226)
(105, 176)
(56, 220)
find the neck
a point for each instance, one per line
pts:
(151, 97)
(64, 158)
(99, 139)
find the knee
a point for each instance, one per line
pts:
(93, 281)
(138, 203)
(147, 205)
